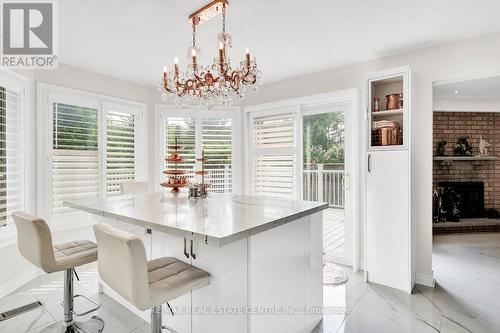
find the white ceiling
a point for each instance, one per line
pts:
(132, 39)
(485, 89)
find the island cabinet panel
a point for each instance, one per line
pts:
(314, 270)
(221, 306)
(281, 265)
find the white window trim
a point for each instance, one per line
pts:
(8, 234)
(46, 94)
(163, 111)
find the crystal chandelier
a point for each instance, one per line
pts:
(214, 85)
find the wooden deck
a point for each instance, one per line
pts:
(333, 230)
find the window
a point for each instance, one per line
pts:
(273, 154)
(217, 148)
(97, 144)
(75, 158)
(184, 130)
(12, 147)
(121, 149)
(208, 132)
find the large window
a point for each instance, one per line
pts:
(12, 147)
(212, 133)
(96, 145)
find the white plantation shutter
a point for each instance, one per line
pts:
(12, 147)
(274, 155)
(274, 131)
(274, 175)
(217, 147)
(184, 129)
(120, 150)
(75, 164)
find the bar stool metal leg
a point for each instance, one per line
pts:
(156, 321)
(93, 325)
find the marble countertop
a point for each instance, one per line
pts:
(217, 220)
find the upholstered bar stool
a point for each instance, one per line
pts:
(134, 187)
(35, 244)
(146, 284)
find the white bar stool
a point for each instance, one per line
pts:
(35, 244)
(134, 187)
(146, 284)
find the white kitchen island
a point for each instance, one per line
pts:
(264, 256)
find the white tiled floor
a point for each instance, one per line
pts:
(465, 299)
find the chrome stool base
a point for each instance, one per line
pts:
(93, 325)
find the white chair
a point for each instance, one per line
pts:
(134, 187)
(35, 244)
(146, 284)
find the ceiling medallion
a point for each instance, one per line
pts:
(214, 85)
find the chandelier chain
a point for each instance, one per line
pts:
(194, 33)
(224, 19)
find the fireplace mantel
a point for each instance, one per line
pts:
(464, 158)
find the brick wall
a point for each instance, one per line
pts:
(451, 125)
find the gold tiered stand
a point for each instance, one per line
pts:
(175, 179)
(202, 187)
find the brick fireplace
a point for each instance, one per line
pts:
(451, 125)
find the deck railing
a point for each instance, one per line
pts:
(324, 185)
(220, 180)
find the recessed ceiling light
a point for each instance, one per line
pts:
(456, 91)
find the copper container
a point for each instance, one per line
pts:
(376, 104)
(393, 101)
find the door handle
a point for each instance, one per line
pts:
(369, 163)
(347, 181)
(193, 255)
(185, 248)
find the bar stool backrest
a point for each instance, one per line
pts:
(34, 241)
(122, 264)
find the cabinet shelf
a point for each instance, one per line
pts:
(387, 113)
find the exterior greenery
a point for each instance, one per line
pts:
(324, 138)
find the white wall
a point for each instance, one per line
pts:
(468, 59)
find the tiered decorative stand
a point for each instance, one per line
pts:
(175, 179)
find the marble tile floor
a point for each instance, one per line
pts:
(466, 297)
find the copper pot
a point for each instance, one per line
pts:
(393, 101)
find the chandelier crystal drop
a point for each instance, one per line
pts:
(215, 85)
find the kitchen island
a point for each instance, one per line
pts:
(264, 256)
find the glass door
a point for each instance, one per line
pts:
(325, 174)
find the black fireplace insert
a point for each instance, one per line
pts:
(470, 197)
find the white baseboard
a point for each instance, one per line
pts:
(425, 280)
(18, 281)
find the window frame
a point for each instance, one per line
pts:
(163, 111)
(47, 94)
(9, 77)
(252, 151)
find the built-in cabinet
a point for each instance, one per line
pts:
(389, 229)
